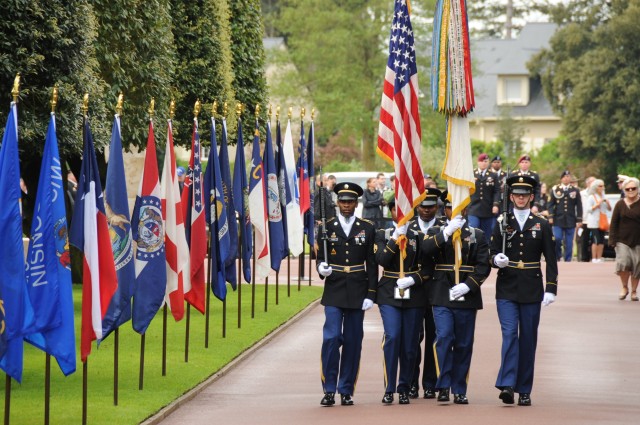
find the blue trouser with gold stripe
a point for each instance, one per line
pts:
(343, 327)
(399, 344)
(453, 346)
(519, 324)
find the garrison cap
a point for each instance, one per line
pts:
(348, 191)
(521, 184)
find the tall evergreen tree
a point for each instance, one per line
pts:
(202, 38)
(137, 57)
(248, 61)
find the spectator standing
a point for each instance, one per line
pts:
(624, 235)
(596, 203)
(372, 201)
(620, 180)
(543, 203)
(180, 171)
(485, 201)
(565, 215)
(583, 239)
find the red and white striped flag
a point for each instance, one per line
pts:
(399, 130)
(195, 223)
(176, 247)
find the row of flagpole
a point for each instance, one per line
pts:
(169, 230)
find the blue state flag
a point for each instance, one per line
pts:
(18, 313)
(283, 187)
(309, 216)
(274, 207)
(117, 209)
(48, 270)
(216, 213)
(225, 172)
(241, 199)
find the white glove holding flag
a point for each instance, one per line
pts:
(400, 230)
(405, 282)
(324, 269)
(454, 224)
(367, 304)
(548, 298)
(459, 290)
(501, 260)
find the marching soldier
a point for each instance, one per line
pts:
(401, 298)
(426, 218)
(485, 202)
(519, 288)
(350, 276)
(455, 306)
(524, 164)
(565, 214)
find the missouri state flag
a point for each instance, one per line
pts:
(148, 231)
(195, 226)
(48, 267)
(90, 234)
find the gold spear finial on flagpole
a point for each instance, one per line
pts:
(290, 112)
(85, 104)
(278, 113)
(172, 109)
(152, 108)
(239, 110)
(196, 108)
(313, 113)
(270, 111)
(54, 99)
(119, 104)
(225, 109)
(257, 111)
(302, 113)
(214, 109)
(16, 88)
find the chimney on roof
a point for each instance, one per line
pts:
(508, 23)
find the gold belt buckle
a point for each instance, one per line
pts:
(346, 269)
(520, 265)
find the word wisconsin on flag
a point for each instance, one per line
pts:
(148, 232)
(90, 234)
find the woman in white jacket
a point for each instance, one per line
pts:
(596, 203)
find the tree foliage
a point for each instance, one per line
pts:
(591, 75)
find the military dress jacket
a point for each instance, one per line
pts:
(355, 274)
(416, 266)
(473, 272)
(486, 196)
(565, 206)
(522, 280)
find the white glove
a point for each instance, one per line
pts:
(324, 269)
(367, 304)
(400, 230)
(501, 260)
(405, 282)
(459, 290)
(454, 224)
(548, 298)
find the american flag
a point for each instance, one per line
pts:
(399, 131)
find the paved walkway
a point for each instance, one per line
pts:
(587, 369)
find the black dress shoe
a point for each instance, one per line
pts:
(403, 398)
(346, 400)
(524, 399)
(387, 398)
(329, 399)
(460, 399)
(429, 393)
(443, 394)
(413, 392)
(506, 395)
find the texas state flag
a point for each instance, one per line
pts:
(90, 234)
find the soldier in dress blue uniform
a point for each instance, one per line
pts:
(519, 288)
(565, 214)
(426, 218)
(401, 298)
(455, 306)
(485, 202)
(524, 164)
(351, 277)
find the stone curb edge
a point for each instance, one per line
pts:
(163, 413)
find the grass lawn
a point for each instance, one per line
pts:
(27, 399)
